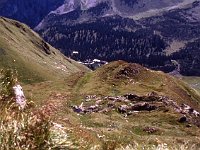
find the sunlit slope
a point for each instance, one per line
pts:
(34, 59)
(119, 78)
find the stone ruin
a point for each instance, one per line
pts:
(129, 104)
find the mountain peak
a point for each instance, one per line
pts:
(71, 5)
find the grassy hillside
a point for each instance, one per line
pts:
(101, 127)
(108, 129)
(119, 78)
(193, 81)
(86, 108)
(33, 58)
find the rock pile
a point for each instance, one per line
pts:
(131, 103)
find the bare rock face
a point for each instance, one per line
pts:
(19, 96)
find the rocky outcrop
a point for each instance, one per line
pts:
(129, 104)
(150, 130)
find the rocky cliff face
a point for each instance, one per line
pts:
(88, 9)
(32, 12)
(120, 7)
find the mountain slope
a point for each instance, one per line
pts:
(121, 104)
(86, 10)
(119, 77)
(30, 12)
(180, 29)
(152, 33)
(33, 58)
(153, 40)
(131, 8)
(107, 38)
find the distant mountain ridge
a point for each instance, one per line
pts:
(129, 9)
(152, 33)
(30, 12)
(33, 11)
(120, 7)
(152, 40)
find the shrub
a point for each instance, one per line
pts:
(20, 129)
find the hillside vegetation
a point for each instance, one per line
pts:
(33, 58)
(99, 110)
(118, 106)
(152, 38)
(119, 78)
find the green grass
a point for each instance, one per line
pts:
(84, 80)
(104, 81)
(114, 129)
(194, 82)
(118, 131)
(35, 60)
(50, 87)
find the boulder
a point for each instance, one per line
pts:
(77, 109)
(93, 108)
(143, 106)
(131, 96)
(150, 130)
(123, 109)
(183, 119)
(186, 109)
